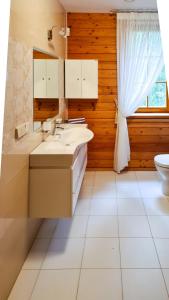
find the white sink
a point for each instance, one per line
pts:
(72, 136)
(65, 142)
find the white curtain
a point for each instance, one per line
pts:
(139, 63)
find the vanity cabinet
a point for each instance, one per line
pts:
(46, 78)
(81, 79)
(55, 183)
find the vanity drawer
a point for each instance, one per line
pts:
(76, 194)
(78, 166)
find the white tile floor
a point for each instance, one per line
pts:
(116, 247)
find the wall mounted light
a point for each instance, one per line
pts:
(64, 32)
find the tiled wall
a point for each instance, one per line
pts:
(29, 23)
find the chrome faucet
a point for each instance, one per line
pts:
(58, 123)
(55, 130)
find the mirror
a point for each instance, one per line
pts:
(48, 86)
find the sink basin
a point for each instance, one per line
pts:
(72, 136)
(65, 142)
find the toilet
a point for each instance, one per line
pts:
(162, 166)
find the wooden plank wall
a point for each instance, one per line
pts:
(93, 36)
(45, 108)
(147, 139)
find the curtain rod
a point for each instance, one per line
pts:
(132, 11)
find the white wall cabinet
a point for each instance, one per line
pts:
(46, 78)
(81, 79)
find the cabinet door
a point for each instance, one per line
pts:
(39, 78)
(73, 87)
(52, 77)
(89, 79)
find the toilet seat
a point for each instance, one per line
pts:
(162, 160)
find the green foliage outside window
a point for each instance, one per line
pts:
(157, 97)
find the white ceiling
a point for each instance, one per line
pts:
(106, 5)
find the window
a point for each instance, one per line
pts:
(157, 100)
(164, 25)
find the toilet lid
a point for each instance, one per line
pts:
(162, 160)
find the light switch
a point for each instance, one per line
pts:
(21, 130)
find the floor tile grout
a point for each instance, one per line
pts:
(121, 275)
(78, 285)
(109, 237)
(85, 238)
(97, 268)
(34, 286)
(40, 269)
(156, 249)
(82, 260)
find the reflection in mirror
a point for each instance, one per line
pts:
(48, 80)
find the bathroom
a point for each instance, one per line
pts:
(76, 220)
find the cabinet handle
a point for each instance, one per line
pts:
(77, 78)
(43, 78)
(84, 79)
(49, 78)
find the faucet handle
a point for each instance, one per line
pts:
(58, 120)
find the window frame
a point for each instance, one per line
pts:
(156, 109)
